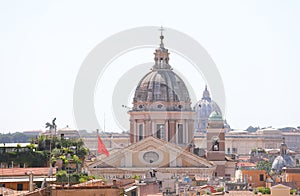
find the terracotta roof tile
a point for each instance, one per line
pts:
(246, 164)
(37, 171)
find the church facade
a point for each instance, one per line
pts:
(152, 157)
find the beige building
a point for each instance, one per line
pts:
(280, 190)
(242, 142)
(110, 140)
(237, 142)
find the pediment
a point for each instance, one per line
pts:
(151, 152)
(280, 186)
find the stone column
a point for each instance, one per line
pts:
(148, 128)
(166, 130)
(131, 131)
(172, 128)
(135, 131)
(191, 130)
(185, 131)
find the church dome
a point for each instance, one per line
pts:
(283, 160)
(161, 85)
(206, 105)
(203, 109)
(278, 163)
(161, 88)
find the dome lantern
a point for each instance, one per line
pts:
(161, 55)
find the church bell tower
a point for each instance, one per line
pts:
(215, 140)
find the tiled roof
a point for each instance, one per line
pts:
(244, 158)
(246, 164)
(37, 171)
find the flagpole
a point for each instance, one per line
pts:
(97, 155)
(104, 123)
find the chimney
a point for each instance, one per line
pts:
(114, 184)
(30, 174)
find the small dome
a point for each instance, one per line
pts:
(215, 116)
(278, 163)
(282, 161)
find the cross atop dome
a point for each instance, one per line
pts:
(161, 29)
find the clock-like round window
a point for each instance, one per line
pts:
(150, 157)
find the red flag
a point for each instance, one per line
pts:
(101, 147)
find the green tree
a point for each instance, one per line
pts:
(264, 190)
(20, 137)
(292, 191)
(56, 152)
(15, 138)
(76, 159)
(18, 148)
(5, 138)
(31, 147)
(62, 176)
(264, 165)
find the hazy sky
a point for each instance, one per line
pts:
(255, 45)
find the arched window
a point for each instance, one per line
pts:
(215, 141)
(160, 131)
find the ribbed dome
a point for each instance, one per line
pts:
(282, 161)
(161, 85)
